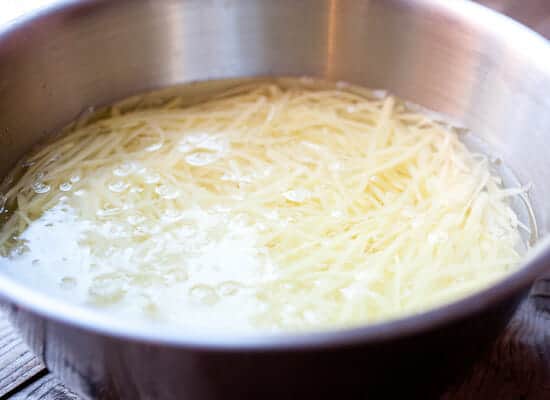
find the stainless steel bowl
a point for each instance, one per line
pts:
(484, 70)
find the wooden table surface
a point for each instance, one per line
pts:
(515, 367)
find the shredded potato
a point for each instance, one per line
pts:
(274, 205)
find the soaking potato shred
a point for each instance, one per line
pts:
(272, 206)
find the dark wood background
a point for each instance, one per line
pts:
(515, 367)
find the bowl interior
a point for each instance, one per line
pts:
(482, 69)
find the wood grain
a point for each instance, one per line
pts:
(17, 363)
(46, 388)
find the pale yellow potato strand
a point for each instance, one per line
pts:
(380, 211)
